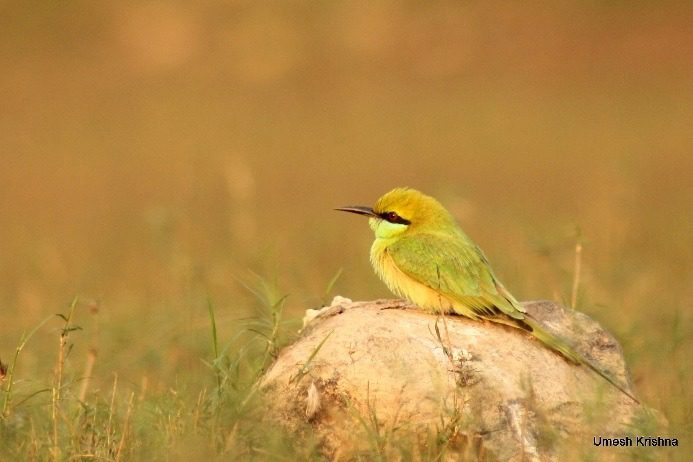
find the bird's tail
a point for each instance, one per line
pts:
(561, 346)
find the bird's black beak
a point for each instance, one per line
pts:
(360, 210)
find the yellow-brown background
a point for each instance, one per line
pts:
(154, 153)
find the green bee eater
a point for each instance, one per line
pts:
(422, 254)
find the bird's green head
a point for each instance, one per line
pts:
(404, 210)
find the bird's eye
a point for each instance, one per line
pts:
(392, 217)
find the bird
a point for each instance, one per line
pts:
(423, 255)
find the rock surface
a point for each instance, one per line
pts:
(377, 376)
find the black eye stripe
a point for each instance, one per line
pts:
(392, 217)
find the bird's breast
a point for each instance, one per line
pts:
(402, 284)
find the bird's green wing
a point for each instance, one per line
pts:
(458, 269)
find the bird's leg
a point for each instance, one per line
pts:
(397, 304)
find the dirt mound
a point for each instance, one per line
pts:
(380, 376)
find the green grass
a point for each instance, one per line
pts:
(219, 418)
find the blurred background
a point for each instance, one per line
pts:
(155, 155)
